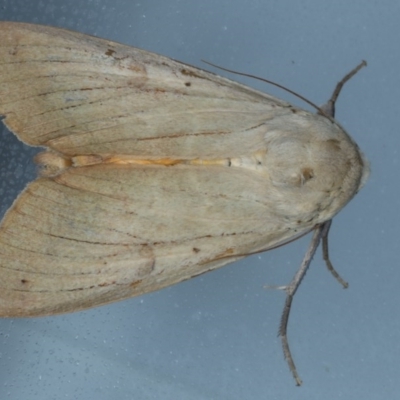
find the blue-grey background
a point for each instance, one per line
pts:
(215, 337)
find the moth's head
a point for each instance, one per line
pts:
(315, 166)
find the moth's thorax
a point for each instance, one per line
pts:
(315, 166)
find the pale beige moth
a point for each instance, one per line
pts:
(154, 172)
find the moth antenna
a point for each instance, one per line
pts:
(269, 82)
(327, 110)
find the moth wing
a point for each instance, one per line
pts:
(98, 234)
(105, 232)
(78, 94)
(101, 233)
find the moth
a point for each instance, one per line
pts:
(154, 172)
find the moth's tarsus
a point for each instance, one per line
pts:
(325, 255)
(285, 344)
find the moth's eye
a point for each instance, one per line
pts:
(299, 177)
(306, 175)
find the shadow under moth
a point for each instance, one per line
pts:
(154, 172)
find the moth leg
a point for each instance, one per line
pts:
(290, 292)
(325, 255)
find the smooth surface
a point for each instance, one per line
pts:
(214, 337)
